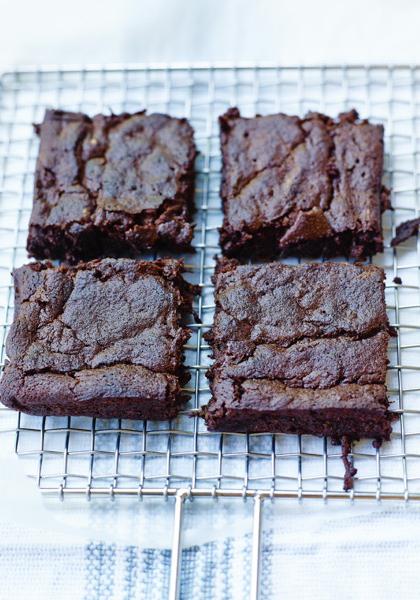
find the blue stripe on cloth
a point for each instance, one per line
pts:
(131, 572)
(266, 565)
(150, 568)
(188, 571)
(100, 564)
(227, 569)
(210, 571)
(166, 570)
(155, 573)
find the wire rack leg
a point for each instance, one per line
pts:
(256, 547)
(176, 545)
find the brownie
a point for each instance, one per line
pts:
(102, 339)
(405, 230)
(299, 349)
(111, 185)
(302, 187)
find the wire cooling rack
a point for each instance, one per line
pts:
(180, 458)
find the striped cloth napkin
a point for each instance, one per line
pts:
(121, 550)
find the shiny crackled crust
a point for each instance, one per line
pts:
(305, 187)
(101, 339)
(299, 350)
(111, 184)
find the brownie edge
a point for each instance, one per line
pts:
(102, 339)
(257, 406)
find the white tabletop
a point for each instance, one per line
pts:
(298, 32)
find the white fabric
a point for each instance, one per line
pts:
(309, 551)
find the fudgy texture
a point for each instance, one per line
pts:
(405, 230)
(303, 187)
(110, 185)
(102, 339)
(299, 349)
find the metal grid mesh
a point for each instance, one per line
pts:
(80, 455)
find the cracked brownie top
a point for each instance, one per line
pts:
(100, 313)
(301, 186)
(111, 183)
(283, 304)
(309, 326)
(99, 330)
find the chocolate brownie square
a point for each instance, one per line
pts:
(111, 185)
(299, 349)
(103, 339)
(302, 187)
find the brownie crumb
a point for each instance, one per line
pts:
(397, 280)
(349, 470)
(405, 230)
